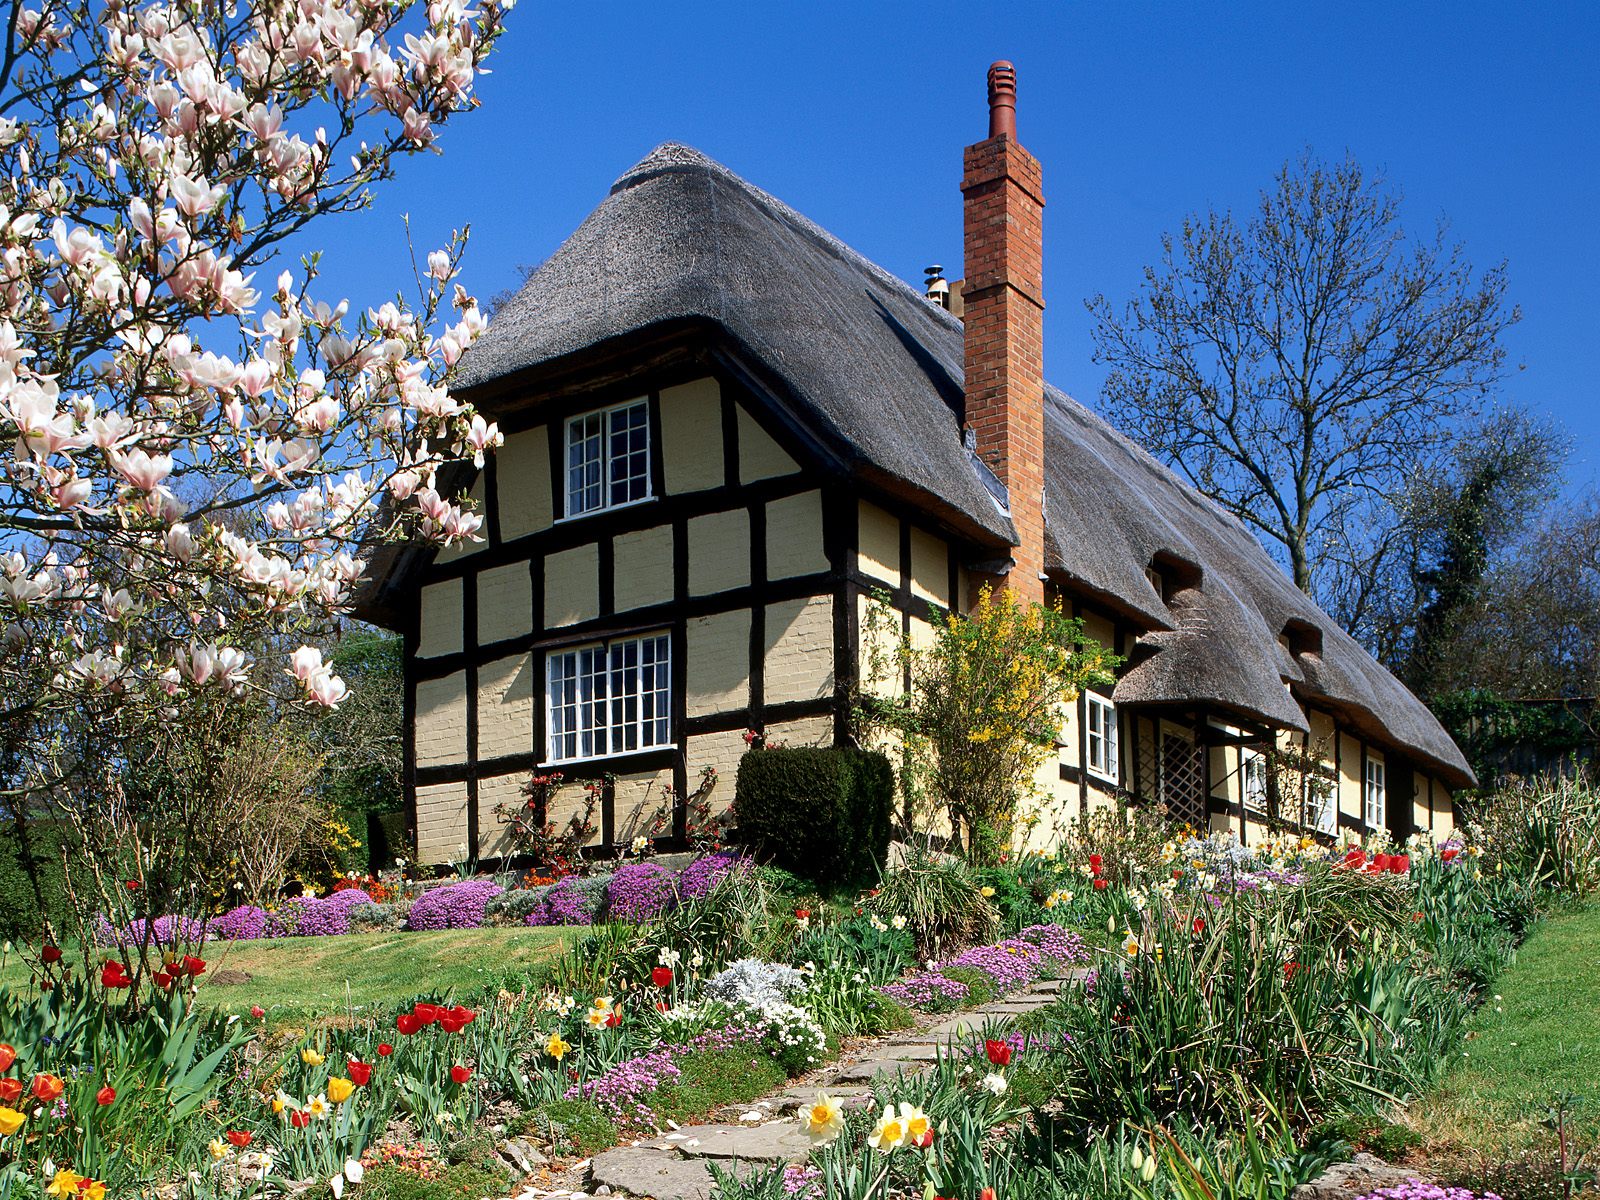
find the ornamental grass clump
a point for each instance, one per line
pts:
(453, 906)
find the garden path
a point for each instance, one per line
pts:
(673, 1166)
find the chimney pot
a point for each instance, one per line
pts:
(1003, 100)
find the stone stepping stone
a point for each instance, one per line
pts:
(913, 1052)
(775, 1142)
(870, 1068)
(658, 1174)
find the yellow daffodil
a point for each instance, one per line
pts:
(889, 1133)
(603, 1002)
(318, 1107)
(597, 1017)
(823, 1118)
(310, 1057)
(92, 1189)
(986, 891)
(64, 1184)
(1130, 945)
(10, 1121)
(339, 1089)
(917, 1122)
(556, 1048)
(218, 1148)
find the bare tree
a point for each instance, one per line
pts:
(1302, 368)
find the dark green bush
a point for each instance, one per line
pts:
(576, 1127)
(820, 813)
(20, 914)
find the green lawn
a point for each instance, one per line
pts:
(318, 976)
(1537, 1036)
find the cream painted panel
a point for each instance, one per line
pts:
(794, 537)
(721, 751)
(644, 568)
(719, 552)
(759, 456)
(475, 494)
(441, 821)
(799, 664)
(505, 706)
(1100, 629)
(718, 670)
(878, 544)
(494, 834)
(572, 586)
(442, 721)
(569, 802)
(879, 669)
(505, 603)
(439, 629)
(1444, 811)
(930, 567)
(807, 731)
(1349, 776)
(691, 436)
(638, 804)
(522, 476)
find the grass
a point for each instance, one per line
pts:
(1536, 1037)
(316, 976)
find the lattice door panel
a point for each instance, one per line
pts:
(1181, 781)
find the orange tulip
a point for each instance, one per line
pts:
(47, 1087)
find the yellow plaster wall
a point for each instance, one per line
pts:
(807, 731)
(643, 568)
(794, 536)
(719, 664)
(930, 567)
(505, 706)
(439, 629)
(475, 496)
(722, 751)
(1349, 776)
(759, 456)
(878, 544)
(568, 802)
(637, 800)
(441, 738)
(505, 603)
(522, 475)
(878, 640)
(799, 662)
(691, 436)
(719, 552)
(441, 821)
(572, 586)
(494, 839)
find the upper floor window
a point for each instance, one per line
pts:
(608, 698)
(608, 458)
(1102, 721)
(1374, 810)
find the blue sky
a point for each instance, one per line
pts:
(1487, 114)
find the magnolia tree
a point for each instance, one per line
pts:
(197, 447)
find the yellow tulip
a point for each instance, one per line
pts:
(310, 1057)
(339, 1089)
(10, 1121)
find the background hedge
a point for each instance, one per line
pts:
(820, 813)
(20, 914)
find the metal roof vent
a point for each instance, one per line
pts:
(937, 287)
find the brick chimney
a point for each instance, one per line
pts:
(1004, 315)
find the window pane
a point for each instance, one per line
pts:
(629, 453)
(585, 464)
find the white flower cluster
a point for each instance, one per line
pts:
(752, 983)
(790, 1028)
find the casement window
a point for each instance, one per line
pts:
(1254, 774)
(1102, 723)
(608, 458)
(608, 698)
(1375, 806)
(1322, 806)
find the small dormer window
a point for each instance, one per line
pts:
(1302, 637)
(1160, 584)
(608, 458)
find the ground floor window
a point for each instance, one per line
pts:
(1375, 809)
(1102, 738)
(608, 697)
(1255, 781)
(1322, 805)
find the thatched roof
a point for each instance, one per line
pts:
(875, 373)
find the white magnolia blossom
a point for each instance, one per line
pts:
(194, 447)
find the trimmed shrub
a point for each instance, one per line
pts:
(820, 813)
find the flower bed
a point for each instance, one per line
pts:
(1011, 964)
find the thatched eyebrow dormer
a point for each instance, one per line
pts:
(684, 257)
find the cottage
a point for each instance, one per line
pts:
(726, 431)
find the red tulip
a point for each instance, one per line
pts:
(257, 1011)
(427, 1013)
(1199, 925)
(1100, 885)
(463, 1014)
(360, 1072)
(162, 980)
(384, 1049)
(10, 1091)
(1096, 862)
(408, 1023)
(999, 1052)
(132, 885)
(193, 966)
(460, 1074)
(8, 1055)
(240, 1137)
(924, 1141)
(661, 977)
(1356, 857)
(450, 1023)
(105, 1096)
(1449, 853)
(299, 1119)
(1380, 862)
(986, 1194)
(614, 1018)
(1400, 864)
(802, 914)
(50, 955)
(114, 975)
(662, 1006)
(47, 1087)
(1177, 872)
(1290, 968)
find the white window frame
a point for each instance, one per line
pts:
(1375, 796)
(1322, 805)
(1253, 781)
(1102, 751)
(608, 699)
(603, 467)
